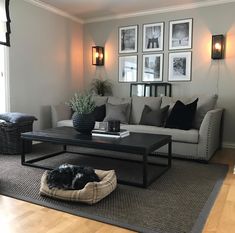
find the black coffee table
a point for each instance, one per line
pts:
(136, 143)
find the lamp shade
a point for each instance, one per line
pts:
(5, 21)
(97, 55)
(217, 47)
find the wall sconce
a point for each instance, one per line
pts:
(97, 55)
(217, 49)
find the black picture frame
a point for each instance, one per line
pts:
(158, 48)
(125, 79)
(132, 39)
(180, 70)
(181, 34)
(150, 66)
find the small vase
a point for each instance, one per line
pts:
(83, 123)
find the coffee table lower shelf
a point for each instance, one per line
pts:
(160, 168)
(66, 136)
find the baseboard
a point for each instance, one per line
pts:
(229, 145)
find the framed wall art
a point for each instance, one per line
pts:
(128, 69)
(128, 39)
(180, 34)
(152, 68)
(179, 66)
(153, 37)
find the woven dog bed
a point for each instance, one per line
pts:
(90, 194)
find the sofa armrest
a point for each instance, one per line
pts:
(210, 134)
(60, 112)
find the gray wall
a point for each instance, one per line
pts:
(205, 72)
(46, 60)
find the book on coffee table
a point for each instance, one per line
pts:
(102, 133)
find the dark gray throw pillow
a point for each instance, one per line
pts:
(117, 112)
(99, 113)
(16, 117)
(154, 117)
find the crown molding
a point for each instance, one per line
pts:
(55, 10)
(160, 10)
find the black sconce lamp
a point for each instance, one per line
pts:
(217, 49)
(97, 55)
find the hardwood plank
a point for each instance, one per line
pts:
(215, 214)
(222, 215)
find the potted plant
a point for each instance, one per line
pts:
(101, 87)
(83, 117)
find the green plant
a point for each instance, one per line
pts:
(101, 87)
(82, 103)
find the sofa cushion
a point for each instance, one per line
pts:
(60, 112)
(69, 123)
(100, 100)
(178, 135)
(117, 112)
(204, 105)
(116, 100)
(64, 123)
(154, 117)
(138, 103)
(182, 116)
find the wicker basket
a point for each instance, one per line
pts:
(10, 141)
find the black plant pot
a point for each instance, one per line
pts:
(84, 123)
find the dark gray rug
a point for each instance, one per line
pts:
(178, 202)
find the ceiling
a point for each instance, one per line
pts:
(90, 9)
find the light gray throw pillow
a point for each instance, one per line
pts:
(119, 100)
(117, 112)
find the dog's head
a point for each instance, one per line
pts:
(83, 177)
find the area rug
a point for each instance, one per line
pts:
(177, 202)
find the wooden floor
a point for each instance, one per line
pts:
(22, 217)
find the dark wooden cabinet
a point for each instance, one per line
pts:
(150, 89)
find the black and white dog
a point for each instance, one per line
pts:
(69, 176)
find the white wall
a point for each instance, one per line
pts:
(46, 60)
(205, 72)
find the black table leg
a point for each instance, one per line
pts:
(169, 153)
(22, 151)
(31, 162)
(145, 170)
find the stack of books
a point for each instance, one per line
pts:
(102, 133)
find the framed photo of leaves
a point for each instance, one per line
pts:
(179, 66)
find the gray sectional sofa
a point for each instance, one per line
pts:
(200, 142)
